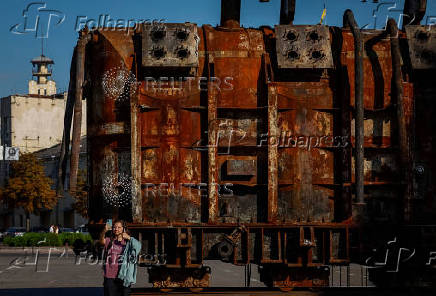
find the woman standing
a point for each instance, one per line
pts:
(120, 259)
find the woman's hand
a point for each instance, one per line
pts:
(106, 228)
(126, 236)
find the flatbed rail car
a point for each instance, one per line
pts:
(287, 147)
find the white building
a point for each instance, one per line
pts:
(34, 122)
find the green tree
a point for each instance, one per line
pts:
(28, 187)
(81, 195)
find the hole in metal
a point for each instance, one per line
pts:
(182, 35)
(292, 54)
(314, 36)
(158, 35)
(291, 36)
(182, 53)
(316, 54)
(426, 56)
(158, 53)
(422, 36)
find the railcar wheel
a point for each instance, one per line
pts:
(286, 289)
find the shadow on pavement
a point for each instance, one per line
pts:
(94, 291)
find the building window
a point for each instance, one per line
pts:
(21, 221)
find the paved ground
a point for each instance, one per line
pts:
(46, 271)
(59, 268)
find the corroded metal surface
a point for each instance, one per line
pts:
(236, 157)
(171, 45)
(422, 44)
(303, 47)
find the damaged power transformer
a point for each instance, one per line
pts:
(295, 148)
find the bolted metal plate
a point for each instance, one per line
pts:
(170, 45)
(303, 47)
(422, 46)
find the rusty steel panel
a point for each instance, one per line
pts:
(297, 166)
(238, 132)
(305, 203)
(163, 202)
(378, 130)
(307, 141)
(306, 122)
(243, 167)
(239, 208)
(238, 42)
(303, 47)
(235, 64)
(170, 45)
(422, 46)
(170, 168)
(239, 81)
(237, 169)
(380, 167)
(110, 54)
(317, 95)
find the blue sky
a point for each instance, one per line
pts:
(18, 49)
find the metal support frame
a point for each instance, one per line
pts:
(350, 22)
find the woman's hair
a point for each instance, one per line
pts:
(123, 224)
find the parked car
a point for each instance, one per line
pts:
(15, 231)
(65, 229)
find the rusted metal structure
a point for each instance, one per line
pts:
(275, 146)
